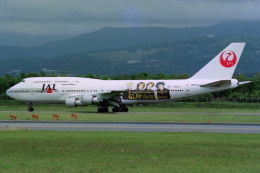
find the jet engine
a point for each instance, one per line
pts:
(82, 101)
(91, 100)
(73, 102)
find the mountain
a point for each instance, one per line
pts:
(116, 38)
(178, 57)
(7, 39)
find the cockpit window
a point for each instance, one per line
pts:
(23, 80)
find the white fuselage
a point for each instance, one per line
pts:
(58, 89)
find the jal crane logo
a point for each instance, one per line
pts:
(228, 58)
(48, 88)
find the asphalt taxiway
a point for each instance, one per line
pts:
(246, 128)
(174, 113)
(130, 126)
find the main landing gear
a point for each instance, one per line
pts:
(115, 109)
(30, 109)
(120, 109)
(103, 109)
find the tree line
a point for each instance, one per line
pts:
(250, 90)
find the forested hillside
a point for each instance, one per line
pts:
(178, 57)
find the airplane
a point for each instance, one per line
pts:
(77, 91)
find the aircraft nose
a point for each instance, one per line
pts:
(8, 92)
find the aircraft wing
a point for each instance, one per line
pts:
(219, 83)
(111, 94)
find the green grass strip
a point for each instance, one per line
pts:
(54, 151)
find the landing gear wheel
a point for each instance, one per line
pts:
(100, 110)
(105, 109)
(120, 109)
(115, 110)
(125, 109)
(30, 109)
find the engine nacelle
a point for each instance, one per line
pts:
(73, 102)
(90, 100)
(86, 100)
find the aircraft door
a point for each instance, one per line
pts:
(101, 89)
(187, 92)
(32, 91)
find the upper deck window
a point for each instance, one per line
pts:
(23, 80)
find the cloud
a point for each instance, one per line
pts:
(68, 17)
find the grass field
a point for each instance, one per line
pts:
(49, 151)
(150, 113)
(131, 152)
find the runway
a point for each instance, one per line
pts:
(130, 126)
(193, 113)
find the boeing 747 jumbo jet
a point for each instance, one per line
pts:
(77, 91)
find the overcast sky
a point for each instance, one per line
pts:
(74, 17)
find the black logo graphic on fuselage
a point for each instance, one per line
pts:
(48, 88)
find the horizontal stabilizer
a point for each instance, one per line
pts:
(219, 83)
(241, 83)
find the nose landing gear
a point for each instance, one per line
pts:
(30, 109)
